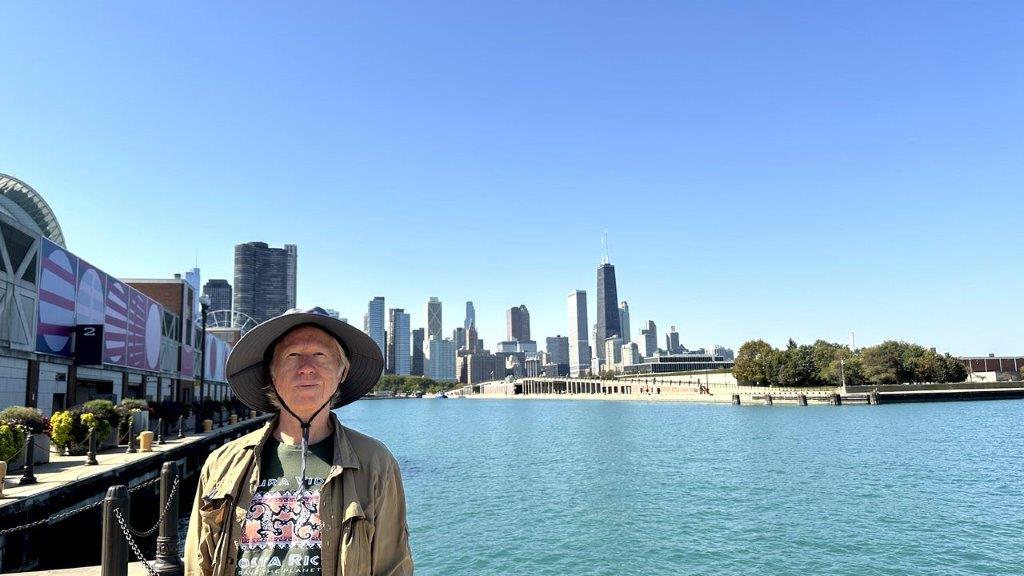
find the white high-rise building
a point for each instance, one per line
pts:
(650, 338)
(433, 319)
(579, 349)
(613, 353)
(373, 322)
(440, 359)
(624, 322)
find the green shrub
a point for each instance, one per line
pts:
(12, 441)
(70, 429)
(134, 404)
(30, 418)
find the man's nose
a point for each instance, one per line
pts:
(306, 365)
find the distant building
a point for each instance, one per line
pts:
(434, 319)
(417, 353)
(631, 354)
(607, 306)
(579, 348)
(725, 353)
(374, 322)
(265, 279)
(624, 322)
(441, 360)
(508, 346)
(685, 362)
(528, 347)
(479, 367)
(650, 339)
(399, 352)
(558, 349)
(518, 323)
(470, 321)
(459, 336)
(672, 342)
(613, 353)
(219, 291)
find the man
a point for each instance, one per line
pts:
(304, 495)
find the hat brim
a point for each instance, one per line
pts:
(249, 377)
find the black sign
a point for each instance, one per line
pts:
(88, 344)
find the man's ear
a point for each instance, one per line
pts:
(344, 374)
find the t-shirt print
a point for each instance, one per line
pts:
(281, 531)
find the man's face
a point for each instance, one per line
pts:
(306, 369)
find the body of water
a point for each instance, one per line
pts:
(536, 487)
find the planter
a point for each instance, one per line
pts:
(40, 452)
(111, 441)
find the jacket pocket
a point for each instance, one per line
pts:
(357, 534)
(213, 514)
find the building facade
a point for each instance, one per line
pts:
(265, 279)
(434, 319)
(417, 366)
(518, 323)
(558, 349)
(624, 321)
(607, 307)
(441, 360)
(399, 348)
(649, 336)
(579, 347)
(374, 322)
(219, 291)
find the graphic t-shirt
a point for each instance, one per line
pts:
(281, 533)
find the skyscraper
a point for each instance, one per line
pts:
(470, 317)
(624, 321)
(441, 360)
(399, 352)
(518, 323)
(607, 307)
(650, 337)
(374, 322)
(459, 337)
(417, 352)
(264, 279)
(579, 349)
(433, 318)
(558, 349)
(219, 292)
(672, 341)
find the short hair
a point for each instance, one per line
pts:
(268, 361)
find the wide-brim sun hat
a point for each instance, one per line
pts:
(249, 375)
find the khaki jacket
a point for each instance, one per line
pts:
(362, 508)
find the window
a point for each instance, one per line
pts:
(58, 402)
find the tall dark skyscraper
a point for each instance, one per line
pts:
(470, 317)
(264, 279)
(519, 323)
(607, 307)
(417, 352)
(219, 292)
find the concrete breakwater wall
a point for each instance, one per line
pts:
(66, 485)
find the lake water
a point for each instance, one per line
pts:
(608, 488)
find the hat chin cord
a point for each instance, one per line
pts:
(305, 431)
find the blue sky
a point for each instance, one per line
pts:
(764, 169)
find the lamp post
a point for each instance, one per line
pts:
(204, 306)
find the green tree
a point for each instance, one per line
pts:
(798, 367)
(754, 363)
(883, 364)
(953, 370)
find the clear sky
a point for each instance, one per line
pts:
(764, 169)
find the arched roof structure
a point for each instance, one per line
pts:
(19, 201)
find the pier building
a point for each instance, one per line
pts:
(70, 332)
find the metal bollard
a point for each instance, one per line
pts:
(90, 455)
(181, 426)
(131, 440)
(29, 476)
(168, 561)
(114, 555)
(159, 430)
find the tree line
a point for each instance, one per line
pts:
(828, 364)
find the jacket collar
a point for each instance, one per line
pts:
(344, 455)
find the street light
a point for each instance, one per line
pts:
(204, 306)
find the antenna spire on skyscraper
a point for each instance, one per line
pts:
(604, 247)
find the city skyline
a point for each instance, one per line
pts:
(795, 172)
